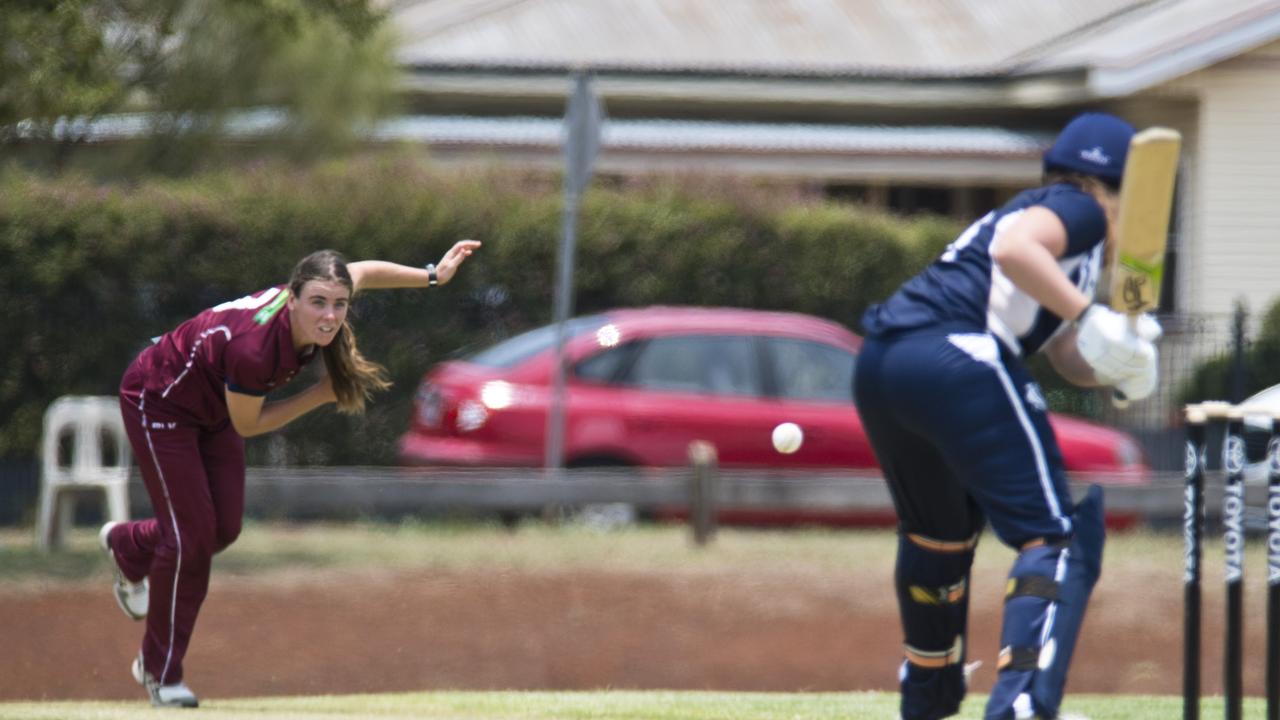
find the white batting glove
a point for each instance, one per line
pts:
(1141, 385)
(1107, 341)
(1149, 327)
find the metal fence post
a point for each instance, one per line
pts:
(1239, 371)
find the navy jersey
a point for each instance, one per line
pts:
(965, 289)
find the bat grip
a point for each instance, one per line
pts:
(1118, 399)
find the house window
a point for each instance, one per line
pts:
(913, 199)
(962, 203)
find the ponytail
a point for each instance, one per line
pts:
(354, 377)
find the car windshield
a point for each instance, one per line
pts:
(513, 351)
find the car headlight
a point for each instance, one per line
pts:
(471, 416)
(497, 394)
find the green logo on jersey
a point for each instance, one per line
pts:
(263, 316)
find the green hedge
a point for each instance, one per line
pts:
(89, 271)
(1215, 378)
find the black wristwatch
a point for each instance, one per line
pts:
(432, 278)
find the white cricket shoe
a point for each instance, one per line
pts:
(130, 596)
(177, 695)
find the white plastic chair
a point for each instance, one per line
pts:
(94, 426)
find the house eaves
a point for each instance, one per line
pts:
(678, 136)
(1164, 41)
(813, 151)
(1032, 90)
(833, 152)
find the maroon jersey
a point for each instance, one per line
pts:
(244, 345)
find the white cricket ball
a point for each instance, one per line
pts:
(787, 438)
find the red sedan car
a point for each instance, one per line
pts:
(643, 383)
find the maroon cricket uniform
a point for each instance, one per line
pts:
(192, 460)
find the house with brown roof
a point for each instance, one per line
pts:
(937, 105)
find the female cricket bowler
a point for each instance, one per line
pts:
(960, 427)
(191, 398)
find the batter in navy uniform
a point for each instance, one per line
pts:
(961, 432)
(190, 399)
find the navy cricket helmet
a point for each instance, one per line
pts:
(1092, 144)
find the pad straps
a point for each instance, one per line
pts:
(1032, 585)
(936, 658)
(1018, 659)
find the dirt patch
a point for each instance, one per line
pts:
(382, 631)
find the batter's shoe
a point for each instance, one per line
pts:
(130, 596)
(177, 695)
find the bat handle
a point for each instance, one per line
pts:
(1118, 399)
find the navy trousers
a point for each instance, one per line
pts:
(961, 432)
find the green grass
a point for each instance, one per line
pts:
(604, 705)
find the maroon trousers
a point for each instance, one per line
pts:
(195, 479)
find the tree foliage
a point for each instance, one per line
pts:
(54, 61)
(326, 68)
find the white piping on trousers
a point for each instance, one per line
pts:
(983, 349)
(164, 485)
(173, 518)
(1046, 632)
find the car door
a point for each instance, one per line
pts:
(695, 387)
(812, 386)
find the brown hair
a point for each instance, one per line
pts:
(354, 377)
(1088, 183)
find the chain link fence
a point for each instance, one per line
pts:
(1202, 357)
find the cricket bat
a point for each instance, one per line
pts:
(1146, 199)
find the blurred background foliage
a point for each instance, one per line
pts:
(325, 69)
(96, 268)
